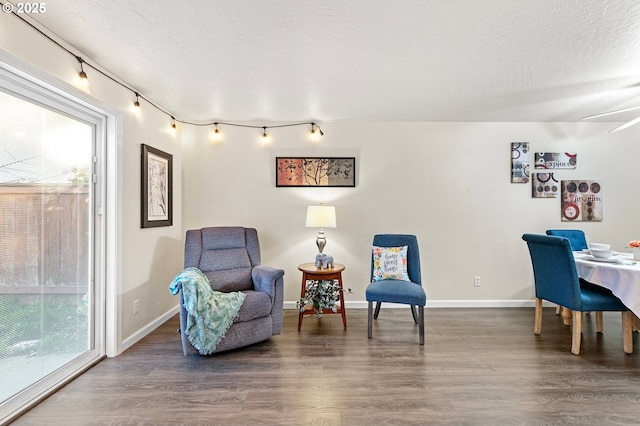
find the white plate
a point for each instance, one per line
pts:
(601, 259)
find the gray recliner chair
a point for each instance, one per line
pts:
(230, 258)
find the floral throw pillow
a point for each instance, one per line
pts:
(390, 263)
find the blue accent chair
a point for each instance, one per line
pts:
(575, 236)
(556, 280)
(398, 291)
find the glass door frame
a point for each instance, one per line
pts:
(27, 82)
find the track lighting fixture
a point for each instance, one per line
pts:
(316, 132)
(315, 129)
(216, 133)
(83, 75)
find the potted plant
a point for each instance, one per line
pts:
(320, 294)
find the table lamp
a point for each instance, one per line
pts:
(321, 217)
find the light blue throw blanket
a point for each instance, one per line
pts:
(210, 313)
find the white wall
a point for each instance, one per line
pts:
(149, 258)
(448, 183)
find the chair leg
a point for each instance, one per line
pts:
(576, 332)
(566, 316)
(370, 319)
(599, 322)
(627, 331)
(538, 317)
(377, 312)
(414, 313)
(636, 323)
(421, 323)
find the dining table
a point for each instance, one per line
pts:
(619, 273)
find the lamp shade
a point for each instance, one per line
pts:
(321, 217)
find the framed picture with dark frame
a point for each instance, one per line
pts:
(316, 171)
(157, 188)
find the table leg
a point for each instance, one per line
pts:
(302, 290)
(627, 331)
(342, 306)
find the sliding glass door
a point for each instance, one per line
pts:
(48, 298)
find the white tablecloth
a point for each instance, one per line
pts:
(622, 278)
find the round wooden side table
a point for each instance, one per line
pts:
(311, 272)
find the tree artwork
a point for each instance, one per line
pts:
(315, 171)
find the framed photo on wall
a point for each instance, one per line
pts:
(157, 188)
(316, 171)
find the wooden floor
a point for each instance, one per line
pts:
(477, 367)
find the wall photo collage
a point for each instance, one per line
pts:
(581, 200)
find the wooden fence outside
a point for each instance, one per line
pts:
(44, 237)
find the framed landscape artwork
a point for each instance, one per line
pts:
(157, 188)
(316, 171)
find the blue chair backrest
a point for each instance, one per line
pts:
(554, 270)
(575, 236)
(413, 253)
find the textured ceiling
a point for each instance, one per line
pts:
(336, 60)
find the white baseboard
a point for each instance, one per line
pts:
(362, 304)
(140, 334)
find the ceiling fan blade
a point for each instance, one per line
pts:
(625, 125)
(611, 112)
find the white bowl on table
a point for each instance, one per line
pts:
(600, 253)
(599, 246)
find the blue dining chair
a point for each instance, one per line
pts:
(398, 290)
(556, 280)
(578, 242)
(576, 237)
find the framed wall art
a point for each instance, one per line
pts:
(316, 171)
(544, 185)
(157, 188)
(581, 201)
(519, 162)
(555, 160)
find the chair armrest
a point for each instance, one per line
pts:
(270, 280)
(265, 278)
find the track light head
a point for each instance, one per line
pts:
(265, 135)
(316, 132)
(83, 75)
(137, 102)
(216, 133)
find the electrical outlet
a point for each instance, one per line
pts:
(476, 281)
(136, 306)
